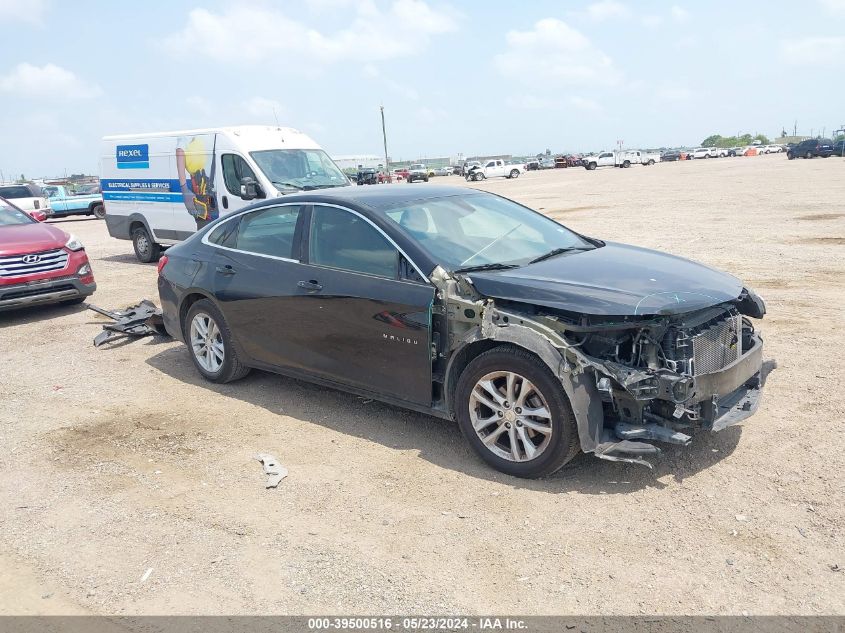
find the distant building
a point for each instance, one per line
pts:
(354, 162)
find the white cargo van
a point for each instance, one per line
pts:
(160, 188)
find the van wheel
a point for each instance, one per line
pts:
(514, 173)
(515, 414)
(146, 250)
(99, 211)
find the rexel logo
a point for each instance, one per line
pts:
(133, 156)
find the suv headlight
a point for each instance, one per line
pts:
(73, 243)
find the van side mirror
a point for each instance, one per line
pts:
(250, 190)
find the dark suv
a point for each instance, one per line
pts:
(810, 148)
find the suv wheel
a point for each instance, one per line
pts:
(809, 154)
(145, 249)
(210, 343)
(515, 414)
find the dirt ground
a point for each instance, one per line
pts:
(120, 460)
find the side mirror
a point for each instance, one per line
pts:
(250, 190)
(38, 216)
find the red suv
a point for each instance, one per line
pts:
(39, 263)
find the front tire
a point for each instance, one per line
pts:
(210, 344)
(99, 211)
(146, 250)
(515, 414)
(808, 155)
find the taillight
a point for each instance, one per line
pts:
(162, 262)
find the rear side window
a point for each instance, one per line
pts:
(225, 234)
(341, 239)
(235, 168)
(269, 231)
(17, 191)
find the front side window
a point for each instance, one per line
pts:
(341, 239)
(235, 168)
(299, 169)
(269, 231)
(479, 228)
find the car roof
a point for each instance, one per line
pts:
(382, 197)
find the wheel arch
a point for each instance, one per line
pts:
(189, 299)
(578, 386)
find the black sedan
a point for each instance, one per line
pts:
(539, 341)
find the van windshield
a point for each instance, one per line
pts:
(299, 168)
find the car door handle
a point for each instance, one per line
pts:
(309, 285)
(226, 270)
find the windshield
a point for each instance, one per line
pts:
(299, 168)
(476, 229)
(10, 215)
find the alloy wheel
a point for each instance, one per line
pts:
(510, 416)
(207, 343)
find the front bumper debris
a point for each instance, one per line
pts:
(139, 320)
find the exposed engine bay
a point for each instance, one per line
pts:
(630, 379)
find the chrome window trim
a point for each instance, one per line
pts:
(385, 235)
(237, 214)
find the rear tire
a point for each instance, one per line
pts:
(205, 350)
(808, 155)
(556, 445)
(514, 173)
(99, 211)
(146, 250)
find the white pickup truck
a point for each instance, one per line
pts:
(494, 169)
(620, 159)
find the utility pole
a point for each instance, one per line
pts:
(384, 137)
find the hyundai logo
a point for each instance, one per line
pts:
(31, 259)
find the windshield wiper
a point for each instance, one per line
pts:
(493, 266)
(559, 251)
(292, 185)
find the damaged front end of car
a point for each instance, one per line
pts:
(633, 381)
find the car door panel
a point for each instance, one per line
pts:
(370, 332)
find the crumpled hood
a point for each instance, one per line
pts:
(616, 279)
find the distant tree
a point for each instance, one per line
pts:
(711, 141)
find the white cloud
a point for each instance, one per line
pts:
(528, 102)
(816, 51)
(672, 92)
(834, 6)
(679, 14)
(371, 71)
(200, 104)
(554, 52)
(262, 108)
(48, 80)
(586, 105)
(31, 11)
(607, 10)
(651, 21)
(251, 33)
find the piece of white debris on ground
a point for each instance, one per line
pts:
(272, 468)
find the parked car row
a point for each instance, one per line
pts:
(54, 200)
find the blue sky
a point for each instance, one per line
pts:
(470, 77)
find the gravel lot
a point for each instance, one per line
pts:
(120, 460)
